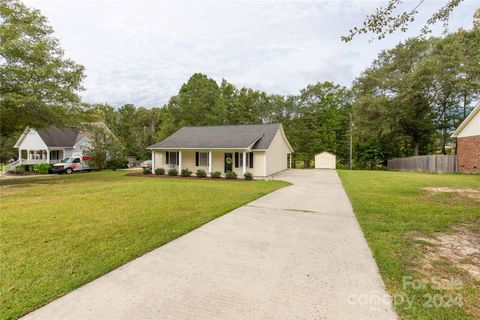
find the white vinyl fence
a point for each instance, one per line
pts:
(432, 163)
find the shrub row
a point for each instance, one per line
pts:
(200, 173)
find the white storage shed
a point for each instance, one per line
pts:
(325, 160)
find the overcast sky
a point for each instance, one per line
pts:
(141, 52)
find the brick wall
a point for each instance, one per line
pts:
(468, 150)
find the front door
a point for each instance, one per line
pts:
(228, 162)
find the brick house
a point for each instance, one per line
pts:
(468, 143)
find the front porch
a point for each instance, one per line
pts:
(227, 160)
(27, 157)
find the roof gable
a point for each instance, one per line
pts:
(30, 139)
(51, 137)
(254, 136)
(472, 117)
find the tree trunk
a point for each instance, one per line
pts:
(416, 148)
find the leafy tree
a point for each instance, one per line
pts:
(196, 103)
(456, 75)
(246, 106)
(369, 155)
(417, 93)
(386, 20)
(320, 121)
(201, 101)
(134, 127)
(38, 86)
(104, 146)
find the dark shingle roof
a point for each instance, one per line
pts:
(235, 136)
(61, 137)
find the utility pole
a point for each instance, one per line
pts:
(351, 139)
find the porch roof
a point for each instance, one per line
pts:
(255, 136)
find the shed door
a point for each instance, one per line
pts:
(325, 161)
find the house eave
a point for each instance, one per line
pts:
(466, 121)
(203, 148)
(17, 144)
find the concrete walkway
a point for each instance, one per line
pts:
(297, 253)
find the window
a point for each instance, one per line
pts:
(201, 159)
(172, 158)
(55, 155)
(239, 159)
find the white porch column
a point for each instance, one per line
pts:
(290, 159)
(19, 156)
(209, 161)
(153, 160)
(244, 155)
(48, 156)
(180, 161)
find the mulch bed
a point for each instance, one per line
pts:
(141, 174)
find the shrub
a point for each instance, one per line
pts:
(215, 174)
(41, 168)
(173, 172)
(248, 176)
(117, 163)
(160, 171)
(201, 173)
(231, 175)
(147, 171)
(186, 173)
(20, 170)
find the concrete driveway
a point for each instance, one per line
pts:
(297, 253)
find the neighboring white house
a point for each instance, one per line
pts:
(325, 160)
(261, 149)
(51, 145)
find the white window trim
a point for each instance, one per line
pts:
(206, 156)
(240, 159)
(170, 162)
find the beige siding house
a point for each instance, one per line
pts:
(261, 149)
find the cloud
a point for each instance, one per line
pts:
(141, 52)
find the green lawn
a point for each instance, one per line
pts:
(396, 213)
(60, 232)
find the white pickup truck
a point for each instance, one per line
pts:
(70, 165)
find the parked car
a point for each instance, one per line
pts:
(70, 165)
(146, 164)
